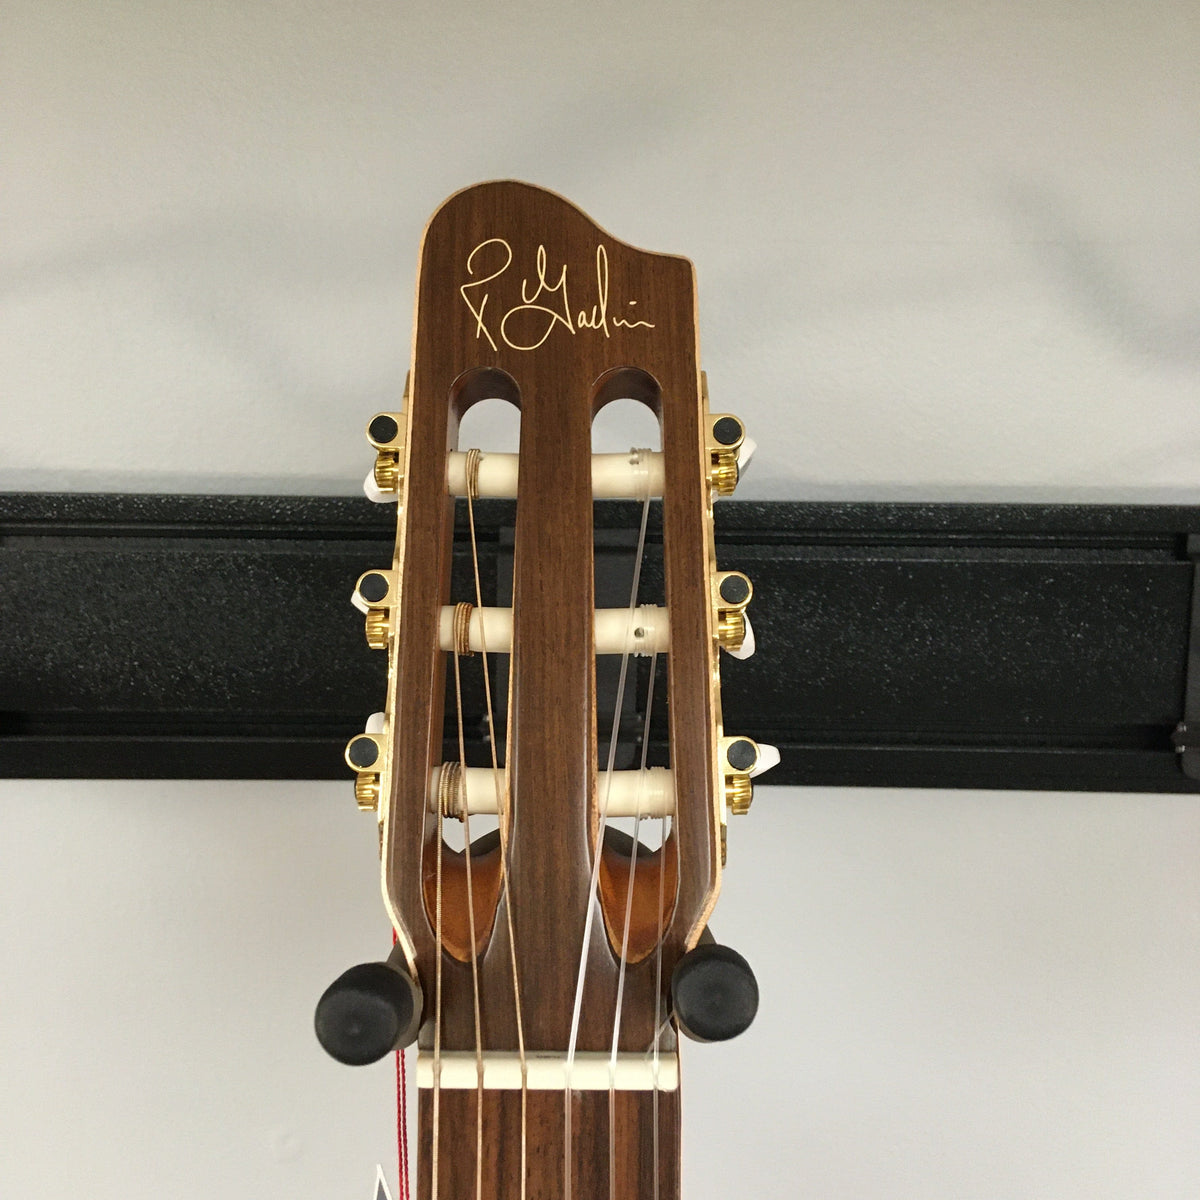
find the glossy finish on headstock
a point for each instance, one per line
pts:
(521, 296)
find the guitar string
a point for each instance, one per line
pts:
(461, 647)
(437, 1006)
(401, 1115)
(466, 819)
(596, 858)
(659, 1021)
(502, 810)
(633, 861)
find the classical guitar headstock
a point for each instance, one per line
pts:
(545, 968)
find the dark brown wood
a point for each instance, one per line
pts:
(521, 296)
(637, 1163)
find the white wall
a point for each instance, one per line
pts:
(943, 250)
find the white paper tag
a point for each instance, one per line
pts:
(381, 1187)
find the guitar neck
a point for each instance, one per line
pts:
(545, 968)
(623, 1144)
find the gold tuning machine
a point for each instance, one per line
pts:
(725, 436)
(374, 596)
(739, 758)
(386, 433)
(739, 794)
(732, 592)
(366, 792)
(366, 755)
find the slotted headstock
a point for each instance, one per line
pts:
(519, 951)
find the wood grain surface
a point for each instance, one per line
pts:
(521, 296)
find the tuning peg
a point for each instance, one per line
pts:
(386, 434)
(725, 436)
(373, 596)
(373, 492)
(369, 1011)
(713, 993)
(366, 754)
(768, 757)
(746, 453)
(739, 757)
(732, 592)
(742, 760)
(747, 648)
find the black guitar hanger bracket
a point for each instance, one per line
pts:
(899, 645)
(1187, 733)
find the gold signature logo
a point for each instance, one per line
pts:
(544, 306)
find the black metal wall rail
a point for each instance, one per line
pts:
(927, 645)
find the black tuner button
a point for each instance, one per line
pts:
(714, 993)
(735, 588)
(742, 754)
(368, 1012)
(363, 753)
(727, 430)
(383, 428)
(373, 587)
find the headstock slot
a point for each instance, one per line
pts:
(632, 876)
(476, 897)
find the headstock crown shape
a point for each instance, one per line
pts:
(535, 967)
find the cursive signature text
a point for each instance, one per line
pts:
(545, 303)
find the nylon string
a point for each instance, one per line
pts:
(659, 1021)
(502, 811)
(603, 822)
(461, 646)
(437, 1005)
(401, 1115)
(612, 1062)
(466, 818)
